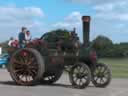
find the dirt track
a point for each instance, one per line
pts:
(118, 87)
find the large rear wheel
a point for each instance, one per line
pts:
(101, 77)
(26, 66)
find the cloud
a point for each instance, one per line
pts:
(100, 25)
(113, 16)
(27, 11)
(109, 9)
(96, 2)
(12, 14)
(104, 7)
(12, 18)
(112, 11)
(72, 20)
(110, 6)
(74, 17)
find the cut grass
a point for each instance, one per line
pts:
(119, 66)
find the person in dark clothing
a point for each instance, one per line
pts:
(22, 37)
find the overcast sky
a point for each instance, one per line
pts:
(109, 17)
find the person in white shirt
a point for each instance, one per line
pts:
(10, 43)
(28, 36)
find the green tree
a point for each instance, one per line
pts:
(4, 46)
(102, 45)
(102, 42)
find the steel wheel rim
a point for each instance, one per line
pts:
(101, 74)
(80, 75)
(25, 68)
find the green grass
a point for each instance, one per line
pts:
(119, 66)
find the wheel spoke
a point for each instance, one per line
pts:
(102, 80)
(18, 70)
(18, 67)
(31, 73)
(97, 79)
(106, 73)
(31, 61)
(18, 58)
(100, 69)
(34, 72)
(85, 78)
(84, 71)
(78, 69)
(22, 59)
(106, 76)
(76, 80)
(21, 77)
(26, 78)
(32, 67)
(17, 62)
(81, 81)
(105, 69)
(50, 77)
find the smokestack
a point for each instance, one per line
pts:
(86, 29)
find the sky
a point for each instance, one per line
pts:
(108, 17)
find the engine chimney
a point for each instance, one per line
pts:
(86, 30)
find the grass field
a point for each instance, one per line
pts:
(119, 66)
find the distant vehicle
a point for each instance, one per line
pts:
(3, 59)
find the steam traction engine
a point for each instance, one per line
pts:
(43, 60)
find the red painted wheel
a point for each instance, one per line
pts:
(26, 66)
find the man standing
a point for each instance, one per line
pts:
(22, 37)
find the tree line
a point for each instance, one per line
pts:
(106, 48)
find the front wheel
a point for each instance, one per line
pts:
(101, 77)
(80, 75)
